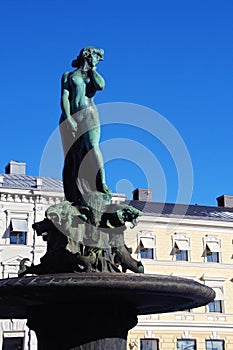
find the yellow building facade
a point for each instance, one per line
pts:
(194, 242)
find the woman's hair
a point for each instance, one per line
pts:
(84, 53)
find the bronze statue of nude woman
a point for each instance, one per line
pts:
(85, 232)
(80, 127)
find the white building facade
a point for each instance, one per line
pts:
(23, 201)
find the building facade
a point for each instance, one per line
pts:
(23, 201)
(193, 242)
(189, 241)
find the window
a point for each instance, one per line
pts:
(214, 344)
(217, 304)
(13, 343)
(18, 238)
(186, 344)
(181, 255)
(18, 231)
(149, 344)
(181, 247)
(147, 247)
(212, 257)
(212, 250)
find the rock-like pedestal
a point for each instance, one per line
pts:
(90, 311)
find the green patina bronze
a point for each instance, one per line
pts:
(80, 127)
(85, 232)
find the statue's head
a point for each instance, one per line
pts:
(88, 53)
(131, 214)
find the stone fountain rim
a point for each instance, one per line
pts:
(146, 293)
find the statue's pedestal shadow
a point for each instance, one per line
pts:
(94, 310)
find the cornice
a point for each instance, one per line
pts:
(220, 326)
(189, 223)
(188, 264)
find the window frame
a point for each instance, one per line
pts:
(18, 236)
(181, 255)
(211, 256)
(150, 251)
(215, 340)
(218, 303)
(177, 253)
(185, 340)
(13, 336)
(217, 306)
(149, 339)
(215, 258)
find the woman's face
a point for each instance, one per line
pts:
(93, 58)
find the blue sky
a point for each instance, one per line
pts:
(173, 57)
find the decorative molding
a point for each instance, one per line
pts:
(206, 265)
(180, 236)
(213, 279)
(216, 318)
(13, 326)
(217, 323)
(149, 317)
(214, 335)
(19, 214)
(184, 317)
(190, 277)
(171, 224)
(15, 260)
(149, 334)
(39, 208)
(31, 199)
(186, 335)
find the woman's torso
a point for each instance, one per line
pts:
(81, 92)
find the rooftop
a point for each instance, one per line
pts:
(187, 210)
(30, 182)
(23, 181)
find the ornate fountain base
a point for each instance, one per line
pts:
(90, 311)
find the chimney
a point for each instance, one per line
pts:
(225, 201)
(39, 182)
(15, 168)
(142, 194)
